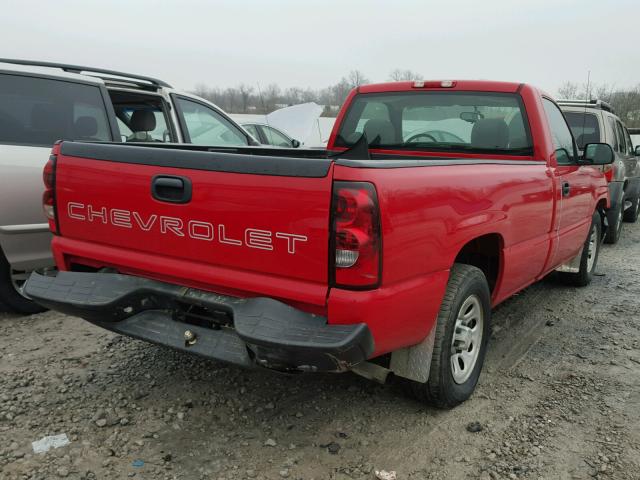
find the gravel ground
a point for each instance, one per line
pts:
(559, 399)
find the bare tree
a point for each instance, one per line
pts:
(357, 78)
(270, 95)
(231, 95)
(568, 90)
(245, 94)
(399, 75)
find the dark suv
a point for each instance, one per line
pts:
(595, 121)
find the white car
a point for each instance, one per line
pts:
(43, 102)
(268, 135)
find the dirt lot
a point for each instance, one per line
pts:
(559, 399)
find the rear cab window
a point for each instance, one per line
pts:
(473, 122)
(39, 111)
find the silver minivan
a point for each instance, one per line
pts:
(43, 102)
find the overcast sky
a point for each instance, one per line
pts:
(312, 43)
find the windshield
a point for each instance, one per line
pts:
(584, 126)
(439, 121)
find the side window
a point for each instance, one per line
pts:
(275, 138)
(621, 136)
(205, 126)
(39, 111)
(253, 130)
(630, 148)
(90, 122)
(614, 141)
(562, 138)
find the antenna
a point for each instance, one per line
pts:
(584, 114)
(264, 110)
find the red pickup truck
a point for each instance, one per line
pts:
(434, 202)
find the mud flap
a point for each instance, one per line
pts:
(572, 266)
(414, 363)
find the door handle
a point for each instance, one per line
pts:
(171, 188)
(566, 189)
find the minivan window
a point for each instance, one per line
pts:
(623, 141)
(584, 126)
(614, 134)
(40, 111)
(439, 121)
(630, 149)
(207, 127)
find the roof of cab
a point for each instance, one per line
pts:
(458, 85)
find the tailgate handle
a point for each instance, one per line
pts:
(170, 188)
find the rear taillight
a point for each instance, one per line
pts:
(356, 239)
(608, 172)
(49, 197)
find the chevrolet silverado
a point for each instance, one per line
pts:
(434, 202)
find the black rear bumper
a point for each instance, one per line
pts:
(248, 332)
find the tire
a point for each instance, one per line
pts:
(447, 386)
(10, 297)
(631, 213)
(589, 257)
(615, 225)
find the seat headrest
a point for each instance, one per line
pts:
(85, 127)
(143, 121)
(380, 128)
(490, 133)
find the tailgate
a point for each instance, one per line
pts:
(225, 222)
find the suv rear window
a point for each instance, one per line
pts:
(584, 126)
(39, 111)
(439, 121)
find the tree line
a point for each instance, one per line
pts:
(263, 99)
(624, 101)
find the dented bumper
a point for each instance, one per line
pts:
(248, 332)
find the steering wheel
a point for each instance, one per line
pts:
(413, 138)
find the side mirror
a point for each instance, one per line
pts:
(295, 143)
(637, 151)
(598, 154)
(123, 138)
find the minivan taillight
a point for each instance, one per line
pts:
(49, 197)
(356, 239)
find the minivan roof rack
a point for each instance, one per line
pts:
(634, 131)
(594, 103)
(110, 74)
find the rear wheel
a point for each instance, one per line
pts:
(462, 332)
(615, 225)
(11, 296)
(631, 213)
(589, 256)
